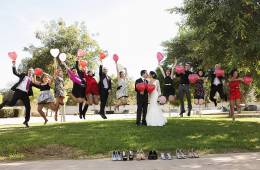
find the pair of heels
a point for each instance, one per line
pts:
(152, 155)
(180, 154)
(140, 155)
(166, 156)
(193, 154)
(122, 156)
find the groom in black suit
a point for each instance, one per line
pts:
(142, 100)
(22, 90)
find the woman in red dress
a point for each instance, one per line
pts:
(234, 92)
(92, 89)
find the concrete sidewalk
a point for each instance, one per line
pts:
(238, 161)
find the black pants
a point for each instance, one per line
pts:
(103, 100)
(141, 108)
(18, 94)
(184, 89)
(220, 90)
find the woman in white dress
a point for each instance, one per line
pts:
(154, 115)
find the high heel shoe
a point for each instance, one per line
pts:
(131, 155)
(124, 156)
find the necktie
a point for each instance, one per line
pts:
(28, 85)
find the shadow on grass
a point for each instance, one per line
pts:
(100, 138)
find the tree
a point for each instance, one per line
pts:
(219, 31)
(67, 38)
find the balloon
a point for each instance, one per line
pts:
(38, 71)
(150, 88)
(219, 73)
(248, 80)
(54, 52)
(12, 55)
(193, 78)
(162, 100)
(115, 57)
(159, 56)
(62, 57)
(102, 55)
(140, 87)
(81, 53)
(83, 63)
(179, 69)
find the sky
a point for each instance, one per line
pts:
(133, 29)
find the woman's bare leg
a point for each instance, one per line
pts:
(232, 103)
(96, 99)
(40, 107)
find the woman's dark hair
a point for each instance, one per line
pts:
(143, 72)
(233, 71)
(120, 73)
(203, 73)
(153, 74)
(93, 74)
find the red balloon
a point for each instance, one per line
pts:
(193, 78)
(140, 87)
(12, 55)
(179, 69)
(83, 63)
(102, 55)
(220, 73)
(115, 57)
(159, 56)
(150, 88)
(248, 80)
(38, 71)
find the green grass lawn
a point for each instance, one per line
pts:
(97, 139)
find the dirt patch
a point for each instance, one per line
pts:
(53, 151)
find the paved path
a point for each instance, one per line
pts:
(241, 161)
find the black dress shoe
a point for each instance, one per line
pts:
(181, 114)
(144, 123)
(26, 123)
(138, 124)
(103, 115)
(154, 155)
(150, 155)
(188, 113)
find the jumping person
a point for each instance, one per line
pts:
(168, 90)
(184, 88)
(122, 88)
(22, 90)
(105, 87)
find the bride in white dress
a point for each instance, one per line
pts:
(154, 115)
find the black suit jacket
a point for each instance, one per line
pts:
(141, 98)
(21, 77)
(213, 76)
(102, 76)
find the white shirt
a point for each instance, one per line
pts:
(216, 81)
(105, 83)
(23, 84)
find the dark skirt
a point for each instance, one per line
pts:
(168, 91)
(78, 91)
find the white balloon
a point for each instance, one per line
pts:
(55, 52)
(62, 57)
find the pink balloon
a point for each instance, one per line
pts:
(12, 55)
(179, 69)
(248, 80)
(159, 56)
(81, 53)
(193, 78)
(220, 73)
(115, 57)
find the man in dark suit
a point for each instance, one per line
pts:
(105, 87)
(142, 100)
(22, 90)
(216, 85)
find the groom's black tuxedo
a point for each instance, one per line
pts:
(142, 103)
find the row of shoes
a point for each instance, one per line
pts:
(180, 154)
(122, 156)
(152, 155)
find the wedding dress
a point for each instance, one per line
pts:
(154, 115)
